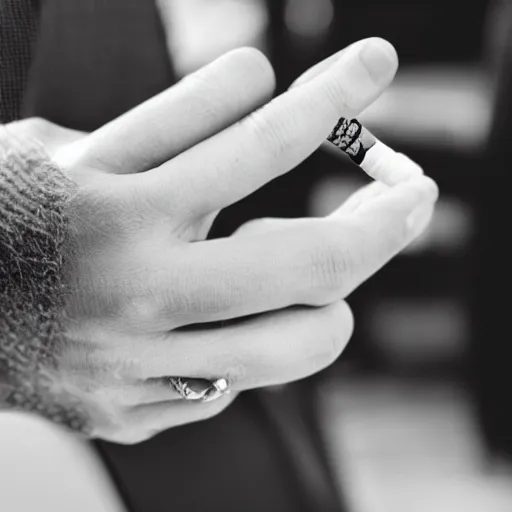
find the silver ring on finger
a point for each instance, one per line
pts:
(207, 392)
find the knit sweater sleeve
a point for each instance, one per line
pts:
(34, 194)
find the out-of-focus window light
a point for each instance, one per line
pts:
(450, 231)
(435, 106)
(309, 18)
(202, 30)
(422, 330)
(330, 192)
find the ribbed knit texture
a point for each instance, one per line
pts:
(33, 225)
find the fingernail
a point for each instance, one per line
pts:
(380, 60)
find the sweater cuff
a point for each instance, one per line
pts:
(34, 194)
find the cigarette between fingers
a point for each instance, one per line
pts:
(379, 161)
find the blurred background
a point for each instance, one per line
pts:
(416, 412)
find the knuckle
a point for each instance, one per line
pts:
(39, 124)
(182, 309)
(126, 398)
(269, 131)
(206, 104)
(202, 292)
(140, 313)
(99, 212)
(380, 239)
(120, 364)
(108, 398)
(154, 208)
(236, 374)
(241, 69)
(83, 364)
(119, 397)
(340, 95)
(34, 126)
(330, 263)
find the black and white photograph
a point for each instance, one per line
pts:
(254, 256)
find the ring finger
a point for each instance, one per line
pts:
(274, 348)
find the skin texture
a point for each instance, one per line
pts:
(140, 272)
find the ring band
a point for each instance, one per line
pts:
(214, 390)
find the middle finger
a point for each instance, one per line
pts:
(270, 142)
(305, 261)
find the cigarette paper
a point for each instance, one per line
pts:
(375, 158)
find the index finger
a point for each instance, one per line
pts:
(275, 139)
(200, 105)
(301, 261)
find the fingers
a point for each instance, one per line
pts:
(384, 204)
(273, 140)
(388, 223)
(361, 196)
(199, 106)
(165, 415)
(420, 220)
(383, 164)
(152, 391)
(319, 68)
(140, 393)
(275, 348)
(305, 261)
(386, 165)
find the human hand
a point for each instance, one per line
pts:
(139, 269)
